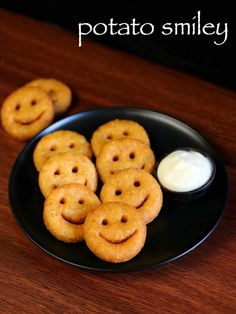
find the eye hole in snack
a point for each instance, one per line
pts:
(18, 106)
(53, 148)
(51, 92)
(132, 155)
(33, 102)
(115, 158)
(72, 145)
(62, 201)
(57, 172)
(104, 222)
(75, 170)
(123, 219)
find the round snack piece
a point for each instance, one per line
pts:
(114, 232)
(67, 168)
(26, 112)
(59, 93)
(117, 129)
(65, 210)
(123, 154)
(60, 142)
(137, 188)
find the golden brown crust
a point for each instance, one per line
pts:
(114, 232)
(136, 188)
(26, 112)
(122, 154)
(67, 168)
(60, 142)
(118, 129)
(58, 92)
(65, 210)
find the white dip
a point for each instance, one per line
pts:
(184, 171)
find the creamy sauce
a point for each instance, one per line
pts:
(184, 171)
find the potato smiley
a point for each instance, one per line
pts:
(115, 232)
(118, 129)
(122, 154)
(65, 210)
(58, 92)
(137, 188)
(60, 142)
(26, 112)
(67, 168)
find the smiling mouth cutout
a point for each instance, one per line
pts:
(118, 241)
(29, 122)
(142, 203)
(79, 222)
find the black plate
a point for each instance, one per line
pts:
(179, 228)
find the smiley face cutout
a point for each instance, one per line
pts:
(137, 188)
(58, 92)
(123, 154)
(65, 210)
(114, 232)
(60, 142)
(67, 168)
(26, 112)
(118, 129)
